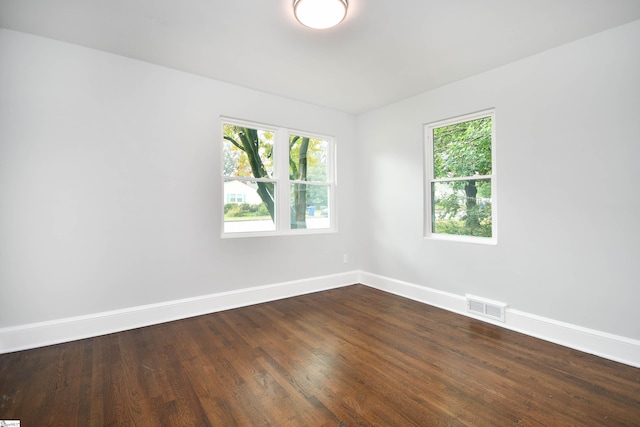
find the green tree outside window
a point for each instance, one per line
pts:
(462, 177)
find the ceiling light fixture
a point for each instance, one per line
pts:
(320, 14)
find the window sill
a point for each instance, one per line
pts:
(491, 241)
(298, 232)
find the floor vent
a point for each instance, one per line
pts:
(484, 307)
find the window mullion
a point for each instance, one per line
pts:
(463, 178)
(295, 181)
(274, 150)
(247, 179)
(429, 177)
(283, 202)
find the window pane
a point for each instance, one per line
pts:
(247, 152)
(307, 159)
(310, 206)
(462, 207)
(250, 206)
(462, 149)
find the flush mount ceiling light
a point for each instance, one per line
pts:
(320, 14)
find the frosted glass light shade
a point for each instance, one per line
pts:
(320, 14)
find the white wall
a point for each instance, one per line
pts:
(568, 149)
(110, 195)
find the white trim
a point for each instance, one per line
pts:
(247, 179)
(281, 181)
(41, 334)
(429, 178)
(281, 199)
(613, 347)
(466, 239)
(248, 124)
(463, 178)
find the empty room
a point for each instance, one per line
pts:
(250, 212)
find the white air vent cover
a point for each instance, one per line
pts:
(484, 307)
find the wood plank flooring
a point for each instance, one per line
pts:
(353, 356)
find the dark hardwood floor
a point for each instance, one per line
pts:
(350, 356)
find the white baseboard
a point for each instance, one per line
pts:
(609, 346)
(22, 337)
(41, 334)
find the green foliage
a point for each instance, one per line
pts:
(307, 162)
(317, 195)
(249, 153)
(462, 150)
(241, 210)
(307, 159)
(476, 222)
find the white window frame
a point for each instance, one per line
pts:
(281, 180)
(429, 179)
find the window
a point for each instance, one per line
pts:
(461, 184)
(276, 181)
(235, 198)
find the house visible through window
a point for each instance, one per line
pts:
(460, 187)
(236, 198)
(275, 180)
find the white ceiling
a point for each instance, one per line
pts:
(384, 51)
